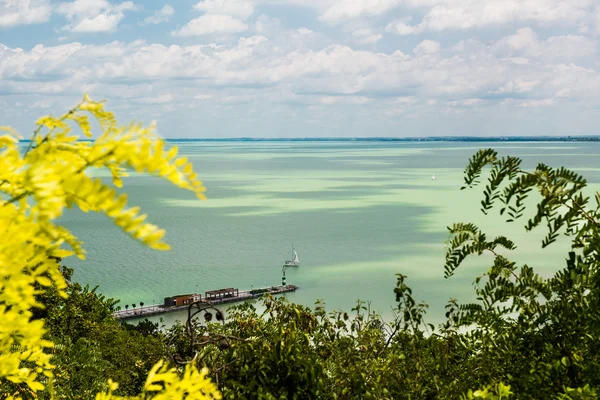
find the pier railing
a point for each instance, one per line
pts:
(243, 295)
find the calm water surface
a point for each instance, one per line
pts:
(357, 213)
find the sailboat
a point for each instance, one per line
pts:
(433, 178)
(295, 262)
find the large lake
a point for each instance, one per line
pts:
(356, 212)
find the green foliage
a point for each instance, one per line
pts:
(90, 346)
(258, 356)
(496, 392)
(291, 351)
(540, 335)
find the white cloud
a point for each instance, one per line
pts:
(210, 24)
(264, 24)
(343, 10)
(525, 48)
(223, 17)
(99, 23)
(526, 43)
(517, 86)
(309, 74)
(304, 31)
(442, 15)
(367, 36)
(160, 16)
(465, 103)
(241, 9)
(357, 100)
(406, 100)
(236, 99)
(44, 104)
(401, 28)
(537, 103)
(427, 47)
(335, 71)
(160, 99)
(93, 15)
(24, 12)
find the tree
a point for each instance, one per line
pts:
(91, 346)
(291, 351)
(36, 185)
(141, 304)
(126, 306)
(540, 335)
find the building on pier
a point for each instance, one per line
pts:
(181, 299)
(221, 294)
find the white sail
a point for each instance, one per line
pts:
(433, 178)
(294, 262)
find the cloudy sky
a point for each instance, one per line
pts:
(298, 68)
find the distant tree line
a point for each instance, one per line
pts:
(562, 138)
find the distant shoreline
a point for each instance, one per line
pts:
(392, 139)
(404, 139)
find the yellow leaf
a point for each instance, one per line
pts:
(160, 246)
(42, 280)
(172, 153)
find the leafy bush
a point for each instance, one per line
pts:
(37, 183)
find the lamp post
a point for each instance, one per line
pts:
(283, 280)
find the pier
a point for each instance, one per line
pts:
(215, 297)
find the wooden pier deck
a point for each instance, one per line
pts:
(243, 295)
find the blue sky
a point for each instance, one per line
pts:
(301, 68)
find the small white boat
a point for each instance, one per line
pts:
(433, 178)
(295, 262)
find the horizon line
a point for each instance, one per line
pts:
(385, 138)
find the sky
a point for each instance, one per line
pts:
(307, 68)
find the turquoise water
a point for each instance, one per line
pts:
(356, 212)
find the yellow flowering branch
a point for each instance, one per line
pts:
(35, 188)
